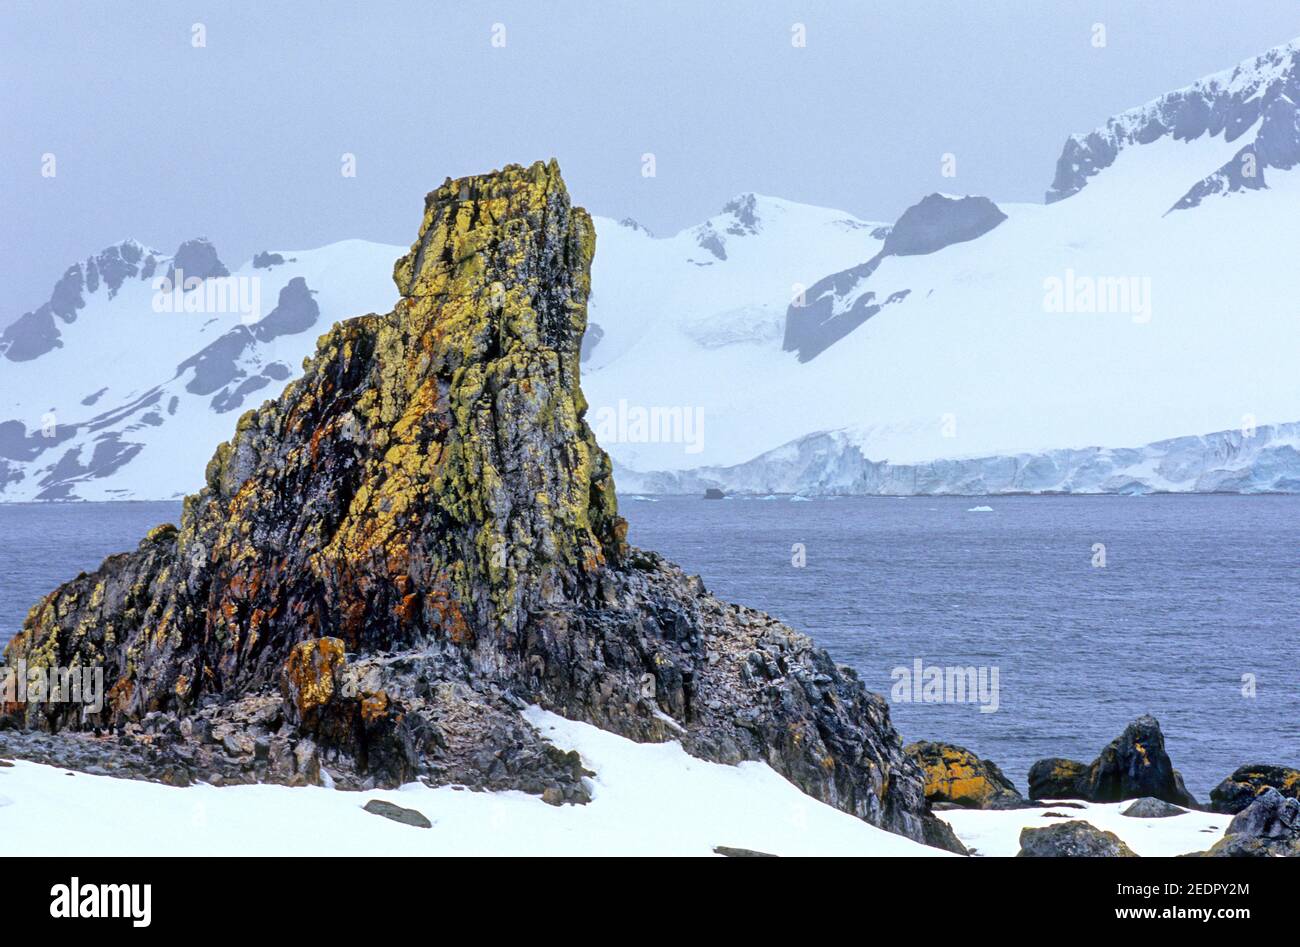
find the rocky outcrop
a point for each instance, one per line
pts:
(941, 220)
(420, 537)
(1132, 766)
(1268, 827)
(196, 260)
(1074, 839)
(953, 774)
(1247, 782)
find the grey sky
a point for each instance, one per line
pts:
(241, 141)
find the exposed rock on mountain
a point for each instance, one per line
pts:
(196, 259)
(420, 536)
(1132, 766)
(1247, 782)
(36, 332)
(836, 305)
(956, 775)
(1258, 95)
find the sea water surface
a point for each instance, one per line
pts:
(1196, 593)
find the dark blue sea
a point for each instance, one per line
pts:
(1196, 593)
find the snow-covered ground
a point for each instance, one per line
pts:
(997, 833)
(647, 799)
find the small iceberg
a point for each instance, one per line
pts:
(641, 499)
(980, 509)
(798, 499)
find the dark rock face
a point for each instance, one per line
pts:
(1268, 827)
(1149, 808)
(196, 259)
(1074, 839)
(420, 537)
(266, 259)
(1132, 766)
(938, 221)
(1247, 782)
(824, 316)
(388, 810)
(955, 775)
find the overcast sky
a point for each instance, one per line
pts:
(241, 140)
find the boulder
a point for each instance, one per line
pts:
(1075, 839)
(1150, 808)
(398, 814)
(1132, 766)
(955, 775)
(1247, 782)
(1056, 778)
(1268, 827)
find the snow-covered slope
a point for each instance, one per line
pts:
(647, 799)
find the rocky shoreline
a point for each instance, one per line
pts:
(1264, 800)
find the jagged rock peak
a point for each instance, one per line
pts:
(418, 538)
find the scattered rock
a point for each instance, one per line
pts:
(1247, 782)
(955, 775)
(405, 816)
(1150, 808)
(740, 852)
(1076, 839)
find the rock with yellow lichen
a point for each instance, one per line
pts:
(1132, 766)
(420, 536)
(955, 775)
(1239, 790)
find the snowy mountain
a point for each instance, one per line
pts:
(779, 346)
(1106, 317)
(116, 390)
